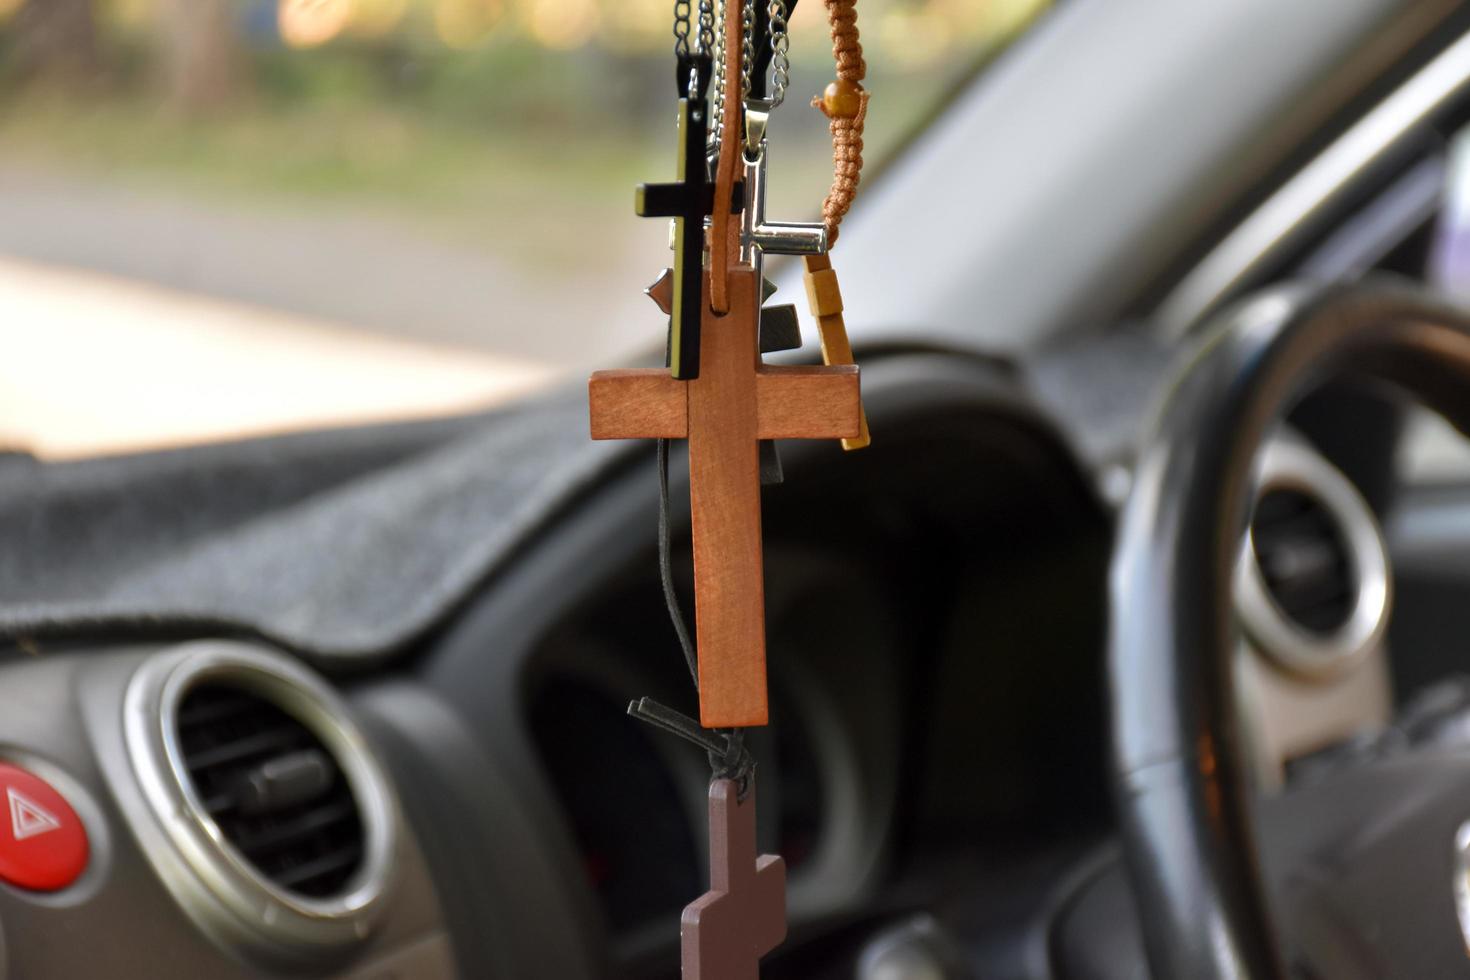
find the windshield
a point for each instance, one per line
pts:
(229, 217)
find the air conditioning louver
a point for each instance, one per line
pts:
(275, 791)
(1304, 560)
(1312, 585)
(271, 821)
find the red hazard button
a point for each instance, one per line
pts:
(43, 845)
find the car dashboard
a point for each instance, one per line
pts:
(530, 806)
(935, 765)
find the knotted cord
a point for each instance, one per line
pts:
(845, 103)
(728, 756)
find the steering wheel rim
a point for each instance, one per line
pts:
(1180, 763)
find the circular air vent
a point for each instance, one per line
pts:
(278, 825)
(1312, 586)
(275, 791)
(1304, 560)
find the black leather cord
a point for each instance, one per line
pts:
(728, 756)
(666, 566)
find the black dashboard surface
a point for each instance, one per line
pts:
(343, 545)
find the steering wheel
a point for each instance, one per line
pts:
(1211, 905)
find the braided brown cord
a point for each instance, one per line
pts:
(847, 49)
(845, 103)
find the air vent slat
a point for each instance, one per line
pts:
(214, 710)
(1313, 593)
(1304, 561)
(328, 867)
(311, 845)
(261, 746)
(291, 832)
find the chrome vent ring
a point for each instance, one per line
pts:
(1323, 604)
(251, 881)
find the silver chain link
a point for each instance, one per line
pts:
(707, 27)
(747, 57)
(718, 114)
(747, 45)
(780, 52)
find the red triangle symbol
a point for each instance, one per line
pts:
(27, 817)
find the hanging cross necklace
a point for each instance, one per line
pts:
(718, 395)
(732, 404)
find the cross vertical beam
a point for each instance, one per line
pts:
(735, 402)
(725, 513)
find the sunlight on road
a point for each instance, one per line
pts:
(95, 364)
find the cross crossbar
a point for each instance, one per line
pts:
(792, 402)
(724, 413)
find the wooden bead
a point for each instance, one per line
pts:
(823, 293)
(842, 99)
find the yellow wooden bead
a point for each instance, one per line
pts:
(842, 98)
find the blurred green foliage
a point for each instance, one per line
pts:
(468, 139)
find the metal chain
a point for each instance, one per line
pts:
(707, 27)
(718, 113)
(747, 60)
(780, 52)
(681, 28)
(747, 45)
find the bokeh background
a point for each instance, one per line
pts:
(227, 217)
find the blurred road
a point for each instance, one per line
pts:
(98, 364)
(138, 317)
(374, 271)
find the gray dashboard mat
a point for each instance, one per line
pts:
(342, 545)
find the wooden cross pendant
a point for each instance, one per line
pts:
(687, 201)
(724, 934)
(735, 402)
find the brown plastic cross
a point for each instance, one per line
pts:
(734, 403)
(742, 917)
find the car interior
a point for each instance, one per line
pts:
(1132, 646)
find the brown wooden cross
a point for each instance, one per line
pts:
(724, 934)
(734, 403)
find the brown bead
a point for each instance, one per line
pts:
(842, 99)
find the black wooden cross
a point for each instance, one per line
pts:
(687, 201)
